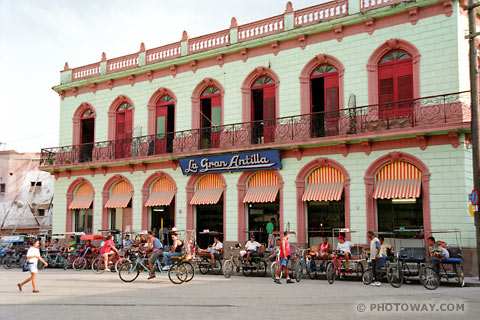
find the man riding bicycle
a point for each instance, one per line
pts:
(155, 246)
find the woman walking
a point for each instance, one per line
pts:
(33, 255)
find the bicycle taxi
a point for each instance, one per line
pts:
(88, 254)
(203, 261)
(367, 276)
(442, 268)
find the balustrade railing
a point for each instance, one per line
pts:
(366, 5)
(209, 41)
(322, 12)
(163, 53)
(429, 112)
(259, 29)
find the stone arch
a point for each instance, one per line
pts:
(305, 85)
(146, 192)
(370, 186)
(247, 91)
(372, 66)
(302, 175)
(242, 207)
(121, 99)
(152, 103)
(199, 88)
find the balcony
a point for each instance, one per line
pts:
(429, 114)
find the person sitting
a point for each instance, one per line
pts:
(55, 245)
(385, 250)
(71, 245)
(176, 251)
(250, 247)
(322, 252)
(127, 243)
(437, 252)
(214, 249)
(87, 248)
(345, 249)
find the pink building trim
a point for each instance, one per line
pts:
(76, 120)
(112, 112)
(305, 84)
(147, 185)
(300, 186)
(372, 66)
(70, 195)
(196, 94)
(152, 104)
(242, 207)
(370, 186)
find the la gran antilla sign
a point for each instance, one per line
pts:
(258, 160)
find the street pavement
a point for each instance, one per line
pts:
(85, 295)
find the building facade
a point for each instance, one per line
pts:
(338, 118)
(26, 194)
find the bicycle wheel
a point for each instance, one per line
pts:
(298, 272)
(120, 262)
(359, 270)
(246, 270)
(190, 270)
(67, 264)
(204, 266)
(262, 268)
(429, 278)
(8, 263)
(217, 267)
(395, 276)
(460, 276)
(331, 273)
(177, 273)
(79, 264)
(367, 276)
(227, 268)
(128, 272)
(274, 270)
(98, 266)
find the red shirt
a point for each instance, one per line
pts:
(107, 247)
(287, 249)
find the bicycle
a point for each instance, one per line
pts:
(233, 262)
(301, 264)
(13, 258)
(338, 267)
(399, 269)
(130, 270)
(114, 263)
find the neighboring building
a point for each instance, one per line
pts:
(26, 194)
(348, 114)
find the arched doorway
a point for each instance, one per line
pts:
(164, 124)
(87, 135)
(263, 110)
(208, 207)
(325, 203)
(262, 199)
(324, 97)
(123, 130)
(81, 209)
(119, 207)
(395, 85)
(210, 117)
(161, 207)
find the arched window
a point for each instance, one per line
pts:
(123, 130)
(395, 83)
(324, 97)
(87, 135)
(164, 124)
(210, 117)
(263, 110)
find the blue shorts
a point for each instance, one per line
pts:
(213, 250)
(285, 262)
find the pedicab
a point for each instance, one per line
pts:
(88, 254)
(203, 262)
(256, 260)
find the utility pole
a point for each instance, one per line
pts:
(472, 33)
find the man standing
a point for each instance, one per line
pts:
(284, 259)
(375, 258)
(156, 247)
(270, 227)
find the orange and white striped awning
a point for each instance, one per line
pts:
(162, 193)
(324, 184)
(398, 180)
(83, 197)
(121, 195)
(263, 186)
(209, 190)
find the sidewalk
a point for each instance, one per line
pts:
(472, 282)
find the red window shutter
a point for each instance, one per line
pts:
(120, 126)
(331, 96)
(162, 112)
(405, 87)
(216, 101)
(128, 124)
(269, 103)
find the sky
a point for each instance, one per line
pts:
(38, 37)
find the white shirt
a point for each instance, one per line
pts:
(374, 247)
(217, 246)
(32, 251)
(252, 245)
(345, 247)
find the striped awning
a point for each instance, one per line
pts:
(398, 180)
(323, 192)
(324, 184)
(163, 198)
(206, 196)
(261, 194)
(118, 200)
(81, 202)
(209, 190)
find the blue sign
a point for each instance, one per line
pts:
(255, 160)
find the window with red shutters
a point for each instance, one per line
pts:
(324, 101)
(123, 130)
(395, 85)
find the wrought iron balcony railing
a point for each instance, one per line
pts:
(429, 113)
